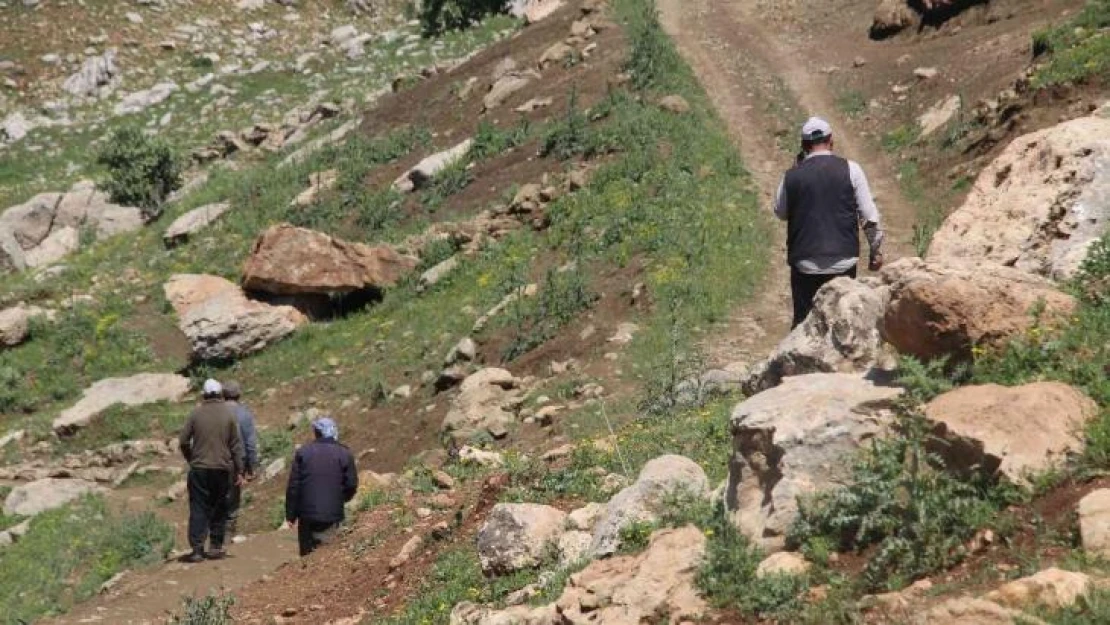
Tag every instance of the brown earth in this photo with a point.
(755, 58)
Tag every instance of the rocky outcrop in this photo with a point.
(1094, 522)
(15, 323)
(782, 563)
(96, 73)
(144, 388)
(487, 401)
(1013, 432)
(46, 227)
(939, 309)
(287, 260)
(1039, 206)
(891, 16)
(654, 586)
(1051, 588)
(533, 11)
(420, 175)
(504, 88)
(221, 322)
(842, 334)
(517, 536)
(794, 440)
(938, 115)
(970, 611)
(42, 495)
(142, 100)
(193, 222)
(644, 500)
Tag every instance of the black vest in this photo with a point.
(822, 218)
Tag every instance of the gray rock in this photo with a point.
(420, 175)
(15, 127)
(342, 34)
(796, 439)
(42, 495)
(144, 388)
(11, 437)
(466, 350)
(61, 242)
(193, 222)
(645, 498)
(486, 401)
(141, 100)
(841, 335)
(516, 536)
(432, 276)
(96, 72)
(273, 469)
(15, 324)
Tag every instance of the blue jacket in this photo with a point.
(322, 479)
(248, 433)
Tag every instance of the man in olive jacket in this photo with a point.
(212, 446)
(322, 479)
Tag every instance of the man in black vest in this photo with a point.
(824, 199)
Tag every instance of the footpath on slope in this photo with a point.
(763, 83)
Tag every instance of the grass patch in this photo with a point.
(69, 552)
(852, 102)
(206, 610)
(900, 138)
(1077, 50)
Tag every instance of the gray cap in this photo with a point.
(232, 390)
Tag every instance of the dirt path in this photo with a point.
(762, 81)
(149, 596)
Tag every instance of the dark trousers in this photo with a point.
(234, 502)
(208, 489)
(312, 534)
(804, 287)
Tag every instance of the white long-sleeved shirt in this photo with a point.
(868, 217)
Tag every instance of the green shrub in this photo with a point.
(142, 170)
(437, 16)
(70, 552)
(1076, 50)
(490, 140)
(207, 610)
(563, 295)
(902, 502)
(447, 182)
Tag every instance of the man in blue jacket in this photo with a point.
(322, 479)
(249, 434)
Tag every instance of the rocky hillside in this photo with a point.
(522, 262)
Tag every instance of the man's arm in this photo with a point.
(350, 478)
(250, 438)
(868, 212)
(185, 439)
(293, 489)
(781, 210)
(235, 442)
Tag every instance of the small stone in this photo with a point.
(443, 480)
(926, 73)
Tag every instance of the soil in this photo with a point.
(756, 59)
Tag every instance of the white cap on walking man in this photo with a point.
(816, 129)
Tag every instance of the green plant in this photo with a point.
(901, 501)
(852, 102)
(206, 610)
(449, 181)
(900, 138)
(274, 443)
(563, 295)
(490, 140)
(1076, 50)
(634, 536)
(437, 16)
(69, 552)
(142, 170)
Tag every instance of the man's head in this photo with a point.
(212, 390)
(325, 427)
(232, 390)
(816, 134)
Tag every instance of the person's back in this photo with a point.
(249, 433)
(211, 444)
(322, 479)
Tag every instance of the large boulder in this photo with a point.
(287, 260)
(95, 73)
(30, 222)
(46, 494)
(144, 388)
(193, 222)
(487, 401)
(221, 322)
(890, 17)
(645, 499)
(939, 309)
(841, 334)
(1094, 522)
(655, 586)
(797, 439)
(15, 323)
(971, 611)
(423, 172)
(517, 536)
(1051, 588)
(1040, 205)
(1013, 432)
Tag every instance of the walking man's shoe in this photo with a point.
(193, 557)
(218, 553)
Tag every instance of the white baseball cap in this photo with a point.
(212, 387)
(816, 129)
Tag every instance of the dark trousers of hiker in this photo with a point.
(234, 503)
(804, 287)
(312, 534)
(208, 498)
